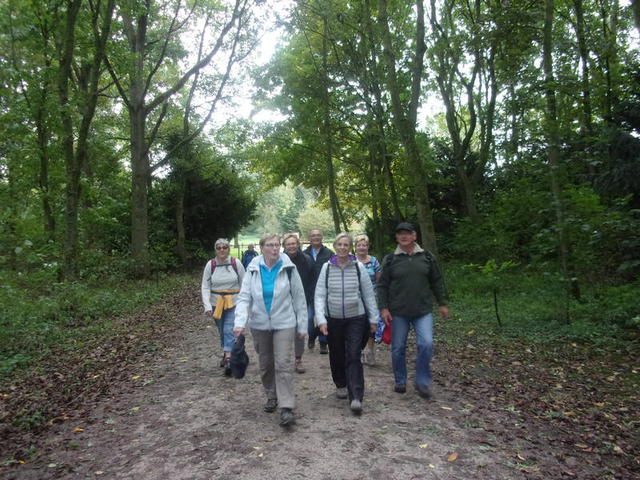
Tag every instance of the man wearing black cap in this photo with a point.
(410, 278)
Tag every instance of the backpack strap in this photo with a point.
(234, 265)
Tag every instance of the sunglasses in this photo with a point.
(222, 247)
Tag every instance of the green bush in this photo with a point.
(39, 313)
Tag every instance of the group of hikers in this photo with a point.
(345, 301)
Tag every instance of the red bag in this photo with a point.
(386, 334)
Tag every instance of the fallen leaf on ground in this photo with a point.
(78, 429)
(423, 445)
(453, 457)
(446, 408)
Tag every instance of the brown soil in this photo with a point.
(175, 416)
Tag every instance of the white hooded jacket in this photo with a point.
(288, 307)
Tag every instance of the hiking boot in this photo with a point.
(400, 388)
(271, 405)
(356, 406)
(286, 417)
(222, 362)
(341, 392)
(227, 367)
(323, 348)
(424, 391)
(311, 344)
(299, 366)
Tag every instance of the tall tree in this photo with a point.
(553, 153)
(405, 115)
(146, 87)
(87, 77)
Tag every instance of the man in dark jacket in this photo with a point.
(320, 255)
(410, 278)
(304, 264)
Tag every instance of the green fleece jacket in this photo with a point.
(408, 283)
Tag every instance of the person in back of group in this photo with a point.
(320, 255)
(372, 265)
(248, 255)
(221, 280)
(304, 264)
(346, 310)
(410, 277)
(272, 303)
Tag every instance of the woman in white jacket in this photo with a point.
(272, 300)
(346, 311)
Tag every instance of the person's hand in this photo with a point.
(444, 311)
(373, 327)
(238, 331)
(386, 316)
(323, 329)
(209, 313)
(302, 336)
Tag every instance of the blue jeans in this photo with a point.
(424, 341)
(225, 329)
(314, 332)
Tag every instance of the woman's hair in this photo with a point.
(222, 241)
(361, 237)
(287, 236)
(268, 236)
(343, 235)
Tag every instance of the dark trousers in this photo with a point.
(345, 344)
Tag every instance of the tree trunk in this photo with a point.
(67, 135)
(181, 247)
(553, 153)
(328, 151)
(43, 178)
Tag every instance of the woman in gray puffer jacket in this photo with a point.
(346, 310)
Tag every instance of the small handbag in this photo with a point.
(239, 360)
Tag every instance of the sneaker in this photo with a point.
(227, 367)
(299, 366)
(286, 417)
(323, 348)
(271, 405)
(356, 406)
(424, 391)
(341, 392)
(400, 388)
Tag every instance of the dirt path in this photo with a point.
(178, 417)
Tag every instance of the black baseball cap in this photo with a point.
(405, 226)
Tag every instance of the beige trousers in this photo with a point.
(275, 355)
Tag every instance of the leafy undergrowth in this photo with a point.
(579, 380)
(86, 362)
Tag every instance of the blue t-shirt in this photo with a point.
(268, 278)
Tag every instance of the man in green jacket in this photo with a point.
(410, 279)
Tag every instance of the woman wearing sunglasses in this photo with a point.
(221, 281)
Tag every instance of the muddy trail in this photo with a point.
(176, 416)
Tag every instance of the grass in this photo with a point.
(39, 313)
(532, 307)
